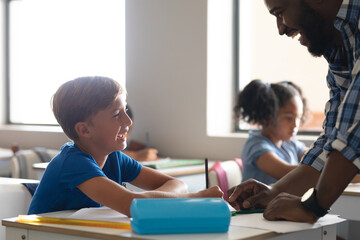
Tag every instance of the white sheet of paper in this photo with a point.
(161, 160)
(353, 187)
(99, 214)
(256, 220)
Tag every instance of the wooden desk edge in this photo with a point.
(58, 228)
(263, 236)
(38, 166)
(351, 193)
(186, 172)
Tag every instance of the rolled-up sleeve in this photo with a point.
(345, 137)
(341, 126)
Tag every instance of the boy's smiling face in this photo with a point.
(110, 126)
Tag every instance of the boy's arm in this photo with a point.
(111, 194)
(165, 186)
(150, 179)
(108, 193)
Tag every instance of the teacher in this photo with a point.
(328, 28)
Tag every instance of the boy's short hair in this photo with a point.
(80, 99)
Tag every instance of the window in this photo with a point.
(53, 41)
(265, 55)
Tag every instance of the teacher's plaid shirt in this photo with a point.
(341, 126)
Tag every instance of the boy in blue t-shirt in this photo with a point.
(89, 171)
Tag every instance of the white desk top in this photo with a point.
(5, 180)
(235, 232)
(251, 226)
(348, 204)
(352, 190)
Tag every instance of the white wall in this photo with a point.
(30, 136)
(167, 78)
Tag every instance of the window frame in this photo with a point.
(237, 43)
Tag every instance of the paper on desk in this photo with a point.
(354, 184)
(99, 214)
(161, 160)
(257, 221)
(352, 187)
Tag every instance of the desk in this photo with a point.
(31, 231)
(193, 176)
(348, 207)
(40, 169)
(348, 204)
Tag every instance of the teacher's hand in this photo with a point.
(288, 207)
(249, 195)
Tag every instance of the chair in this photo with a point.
(226, 174)
(22, 161)
(14, 199)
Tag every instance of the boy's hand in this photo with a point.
(250, 194)
(213, 192)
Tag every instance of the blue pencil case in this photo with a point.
(179, 215)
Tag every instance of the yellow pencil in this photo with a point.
(67, 221)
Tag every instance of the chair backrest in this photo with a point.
(226, 174)
(22, 161)
(14, 199)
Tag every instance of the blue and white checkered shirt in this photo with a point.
(341, 126)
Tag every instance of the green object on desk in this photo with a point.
(233, 213)
(173, 163)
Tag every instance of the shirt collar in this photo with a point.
(348, 13)
(343, 10)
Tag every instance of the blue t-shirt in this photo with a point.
(58, 187)
(257, 145)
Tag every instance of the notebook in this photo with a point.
(172, 163)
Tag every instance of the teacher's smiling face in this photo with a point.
(297, 17)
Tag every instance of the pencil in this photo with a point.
(206, 173)
(78, 222)
(147, 139)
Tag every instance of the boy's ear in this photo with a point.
(82, 129)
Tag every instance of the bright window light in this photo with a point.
(53, 41)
